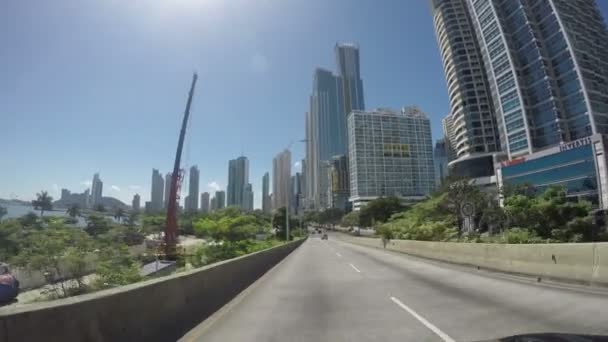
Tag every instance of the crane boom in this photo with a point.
(171, 226)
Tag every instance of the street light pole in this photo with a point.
(287, 218)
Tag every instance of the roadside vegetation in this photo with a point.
(526, 216)
(111, 248)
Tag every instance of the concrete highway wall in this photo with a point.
(585, 263)
(162, 309)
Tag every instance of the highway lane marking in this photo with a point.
(422, 320)
(338, 254)
(354, 268)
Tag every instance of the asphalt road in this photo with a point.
(328, 290)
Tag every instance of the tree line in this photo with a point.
(528, 215)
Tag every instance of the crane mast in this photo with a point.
(171, 226)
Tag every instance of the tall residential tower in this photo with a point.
(281, 175)
(193, 188)
(470, 127)
(266, 207)
(96, 190)
(547, 64)
(238, 178)
(156, 196)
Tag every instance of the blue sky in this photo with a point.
(101, 85)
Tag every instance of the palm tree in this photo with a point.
(119, 214)
(43, 202)
(73, 210)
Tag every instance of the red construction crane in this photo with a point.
(171, 227)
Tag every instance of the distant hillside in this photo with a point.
(111, 202)
(107, 202)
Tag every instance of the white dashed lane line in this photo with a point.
(423, 320)
(355, 268)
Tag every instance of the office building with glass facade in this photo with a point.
(547, 64)
(339, 183)
(390, 154)
(579, 166)
(334, 96)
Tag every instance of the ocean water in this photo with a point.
(14, 211)
(20, 210)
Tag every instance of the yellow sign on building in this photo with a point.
(396, 150)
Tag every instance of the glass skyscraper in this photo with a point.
(547, 64)
(333, 97)
(238, 178)
(347, 62)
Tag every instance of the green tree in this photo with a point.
(351, 219)
(73, 210)
(29, 220)
(380, 210)
(493, 217)
(461, 191)
(97, 225)
(386, 234)
(551, 216)
(117, 268)
(153, 224)
(100, 208)
(227, 228)
(43, 202)
(59, 253)
(280, 224)
(331, 216)
(9, 239)
(426, 220)
(310, 217)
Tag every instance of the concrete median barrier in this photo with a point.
(160, 309)
(585, 263)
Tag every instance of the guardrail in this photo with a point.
(584, 263)
(161, 309)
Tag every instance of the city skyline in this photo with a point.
(126, 172)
